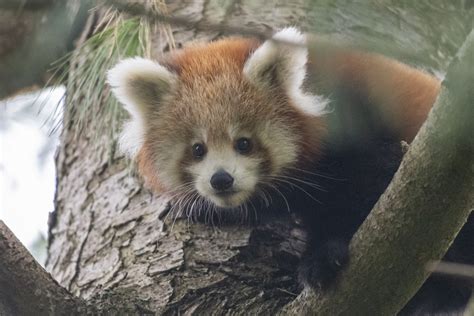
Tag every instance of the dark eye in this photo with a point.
(243, 145)
(199, 150)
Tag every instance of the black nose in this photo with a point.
(221, 180)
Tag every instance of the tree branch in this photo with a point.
(452, 269)
(49, 34)
(26, 288)
(408, 228)
(25, 4)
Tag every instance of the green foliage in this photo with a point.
(87, 66)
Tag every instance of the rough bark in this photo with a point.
(25, 287)
(34, 34)
(109, 244)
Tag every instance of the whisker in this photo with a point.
(298, 187)
(263, 196)
(317, 174)
(299, 179)
(254, 211)
(311, 184)
(281, 194)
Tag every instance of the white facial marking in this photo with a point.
(281, 144)
(242, 168)
(168, 165)
(139, 84)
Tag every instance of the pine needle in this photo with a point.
(116, 38)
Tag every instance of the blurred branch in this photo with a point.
(25, 4)
(418, 216)
(48, 35)
(26, 288)
(470, 307)
(457, 270)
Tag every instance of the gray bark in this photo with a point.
(108, 243)
(26, 288)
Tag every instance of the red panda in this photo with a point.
(220, 124)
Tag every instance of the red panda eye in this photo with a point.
(199, 150)
(243, 145)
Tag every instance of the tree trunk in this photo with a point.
(108, 239)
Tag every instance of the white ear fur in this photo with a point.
(289, 63)
(139, 84)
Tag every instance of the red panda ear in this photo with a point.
(140, 85)
(282, 60)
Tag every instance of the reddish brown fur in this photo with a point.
(210, 75)
(403, 94)
(147, 169)
(206, 60)
(214, 94)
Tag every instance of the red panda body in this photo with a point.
(228, 123)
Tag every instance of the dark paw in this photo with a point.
(320, 266)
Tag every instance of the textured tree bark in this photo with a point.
(26, 288)
(110, 245)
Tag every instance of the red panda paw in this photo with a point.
(320, 266)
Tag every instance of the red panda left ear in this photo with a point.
(282, 60)
(141, 86)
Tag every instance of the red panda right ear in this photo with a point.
(282, 61)
(140, 85)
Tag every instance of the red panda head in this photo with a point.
(216, 122)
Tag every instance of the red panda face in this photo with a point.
(235, 137)
(216, 123)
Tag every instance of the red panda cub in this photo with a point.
(226, 124)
